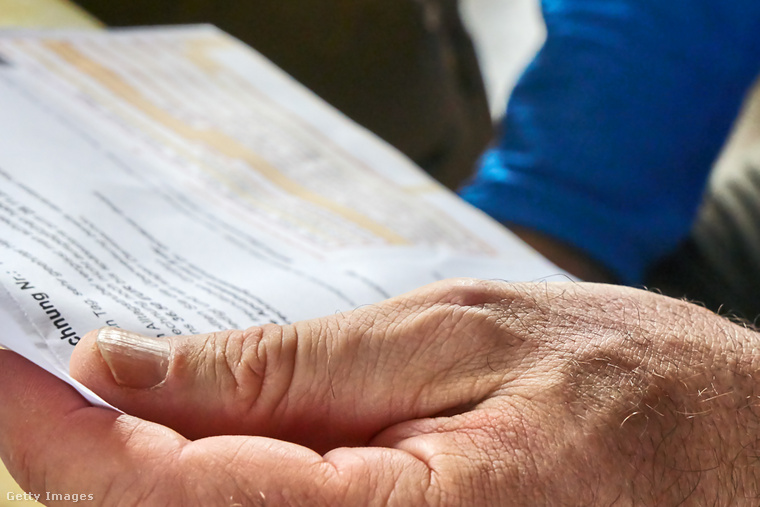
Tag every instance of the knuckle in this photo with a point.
(470, 291)
(277, 353)
(522, 306)
(245, 359)
(266, 369)
(232, 364)
(249, 373)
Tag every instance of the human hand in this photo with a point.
(461, 392)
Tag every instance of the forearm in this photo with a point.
(729, 388)
(687, 416)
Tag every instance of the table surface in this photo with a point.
(44, 14)
(37, 14)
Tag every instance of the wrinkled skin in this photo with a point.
(461, 392)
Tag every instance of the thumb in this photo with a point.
(327, 382)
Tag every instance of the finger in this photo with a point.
(326, 382)
(56, 446)
(49, 433)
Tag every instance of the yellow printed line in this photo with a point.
(197, 51)
(216, 140)
(429, 187)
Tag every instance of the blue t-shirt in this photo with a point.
(611, 132)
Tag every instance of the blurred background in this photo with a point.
(405, 69)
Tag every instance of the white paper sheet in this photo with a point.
(173, 181)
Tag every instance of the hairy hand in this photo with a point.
(461, 392)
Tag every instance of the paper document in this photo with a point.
(173, 181)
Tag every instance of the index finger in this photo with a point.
(50, 434)
(56, 445)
